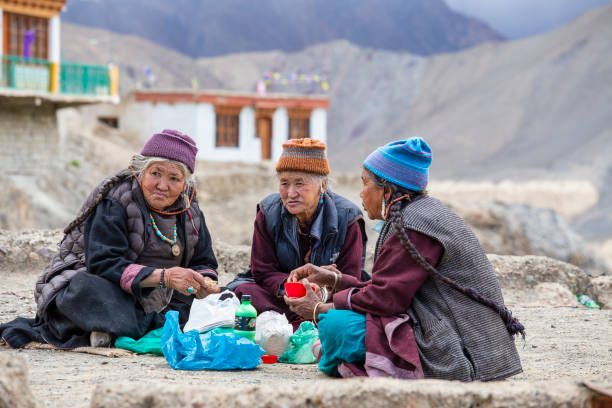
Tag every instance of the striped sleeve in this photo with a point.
(128, 276)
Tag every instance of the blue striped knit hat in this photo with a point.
(404, 162)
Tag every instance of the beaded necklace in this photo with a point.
(176, 250)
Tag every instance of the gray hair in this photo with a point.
(316, 178)
(140, 163)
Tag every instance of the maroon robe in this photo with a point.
(391, 349)
(266, 293)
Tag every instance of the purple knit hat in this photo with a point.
(173, 145)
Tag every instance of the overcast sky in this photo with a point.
(522, 18)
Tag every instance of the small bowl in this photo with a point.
(269, 359)
(296, 289)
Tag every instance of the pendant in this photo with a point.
(176, 250)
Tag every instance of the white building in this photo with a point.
(226, 126)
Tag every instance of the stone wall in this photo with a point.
(29, 137)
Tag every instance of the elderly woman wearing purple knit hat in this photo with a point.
(138, 248)
(433, 308)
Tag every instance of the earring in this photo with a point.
(321, 201)
(383, 208)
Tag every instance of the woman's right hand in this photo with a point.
(181, 279)
(315, 274)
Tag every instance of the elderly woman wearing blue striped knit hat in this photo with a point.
(433, 308)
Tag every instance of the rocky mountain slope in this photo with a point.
(209, 27)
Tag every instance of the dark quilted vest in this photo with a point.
(70, 258)
(329, 229)
(458, 338)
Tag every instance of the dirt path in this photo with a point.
(562, 343)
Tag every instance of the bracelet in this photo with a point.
(162, 282)
(337, 277)
(314, 313)
(324, 294)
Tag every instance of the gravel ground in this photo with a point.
(562, 343)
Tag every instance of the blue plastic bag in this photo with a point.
(213, 351)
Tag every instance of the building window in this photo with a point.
(227, 125)
(299, 123)
(110, 121)
(15, 28)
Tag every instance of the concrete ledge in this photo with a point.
(352, 393)
(14, 389)
(59, 99)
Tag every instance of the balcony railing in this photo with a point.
(32, 74)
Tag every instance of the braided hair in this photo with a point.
(512, 324)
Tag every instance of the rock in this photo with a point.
(46, 253)
(232, 259)
(32, 247)
(14, 389)
(520, 272)
(34, 257)
(519, 229)
(539, 280)
(554, 294)
(369, 392)
(602, 291)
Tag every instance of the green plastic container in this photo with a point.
(588, 302)
(244, 324)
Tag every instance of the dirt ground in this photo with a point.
(562, 343)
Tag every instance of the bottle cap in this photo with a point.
(246, 297)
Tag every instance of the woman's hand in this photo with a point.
(316, 274)
(210, 286)
(304, 306)
(181, 279)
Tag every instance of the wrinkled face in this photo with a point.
(162, 183)
(371, 196)
(300, 194)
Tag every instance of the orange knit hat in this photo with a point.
(307, 155)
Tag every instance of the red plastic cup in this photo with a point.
(296, 289)
(269, 359)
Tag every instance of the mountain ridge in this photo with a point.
(420, 26)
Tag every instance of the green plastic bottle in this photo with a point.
(244, 324)
(588, 302)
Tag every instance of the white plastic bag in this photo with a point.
(212, 312)
(272, 332)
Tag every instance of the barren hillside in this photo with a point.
(535, 109)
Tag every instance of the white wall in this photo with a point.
(147, 118)
(54, 39)
(198, 121)
(280, 132)
(205, 130)
(318, 125)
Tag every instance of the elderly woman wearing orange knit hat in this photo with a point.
(303, 223)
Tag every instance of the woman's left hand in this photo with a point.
(304, 306)
(209, 287)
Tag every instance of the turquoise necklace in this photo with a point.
(176, 250)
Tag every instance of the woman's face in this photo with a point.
(162, 183)
(371, 196)
(300, 194)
